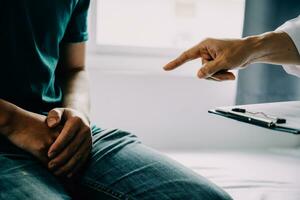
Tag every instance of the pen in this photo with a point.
(243, 117)
(277, 120)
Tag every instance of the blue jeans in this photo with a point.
(120, 167)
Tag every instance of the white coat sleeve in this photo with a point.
(292, 28)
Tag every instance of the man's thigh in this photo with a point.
(123, 168)
(23, 177)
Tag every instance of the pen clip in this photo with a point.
(268, 117)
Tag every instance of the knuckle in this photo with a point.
(225, 59)
(86, 130)
(76, 119)
(41, 147)
(209, 71)
(224, 64)
(54, 113)
(205, 71)
(208, 39)
(56, 162)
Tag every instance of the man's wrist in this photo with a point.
(80, 112)
(256, 47)
(266, 47)
(83, 110)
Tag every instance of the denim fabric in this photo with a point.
(120, 167)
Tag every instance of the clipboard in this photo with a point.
(281, 116)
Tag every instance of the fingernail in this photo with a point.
(51, 121)
(215, 78)
(200, 74)
(51, 165)
(51, 154)
(167, 67)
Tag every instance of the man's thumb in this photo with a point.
(210, 68)
(54, 117)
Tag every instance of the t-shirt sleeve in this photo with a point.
(77, 30)
(292, 28)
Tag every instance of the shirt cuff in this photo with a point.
(292, 28)
(292, 69)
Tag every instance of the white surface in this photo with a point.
(169, 111)
(249, 175)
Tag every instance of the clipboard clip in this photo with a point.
(268, 117)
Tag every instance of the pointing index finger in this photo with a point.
(186, 56)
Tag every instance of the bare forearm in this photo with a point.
(76, 91)
(219, 56)
(7, 113)
(273, 47)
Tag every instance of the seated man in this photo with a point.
(48, 149)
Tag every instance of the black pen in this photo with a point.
(241, 116)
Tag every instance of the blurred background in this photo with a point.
(130, 42)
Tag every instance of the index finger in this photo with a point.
(186, 56)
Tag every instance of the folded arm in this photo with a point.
(26, 130)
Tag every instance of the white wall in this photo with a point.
(169, 111)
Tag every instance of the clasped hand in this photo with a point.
(72, 147)
(62, 141)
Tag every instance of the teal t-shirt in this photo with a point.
(32, 32)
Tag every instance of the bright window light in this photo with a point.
(167, 23)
